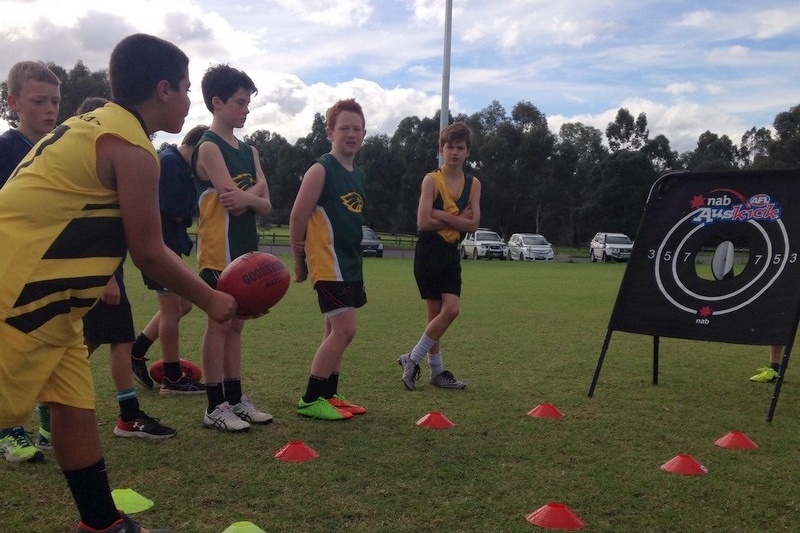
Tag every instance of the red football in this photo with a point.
(187, 367)
(257, 280)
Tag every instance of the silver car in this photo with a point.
(529, 247)
(608, 246)
(483, 244)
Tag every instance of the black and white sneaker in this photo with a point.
(143, 426)
(185, 385)
(140, 372)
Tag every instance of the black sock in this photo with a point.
(775, 366)
(215, 395)
(172, 371)
(129, 409)
(140, 346)
(333, 386)
(316, 388)
(233, 390)
(92, 494)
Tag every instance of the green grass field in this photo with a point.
(527, 334)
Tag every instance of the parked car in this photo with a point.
(484, 243)
(608, 246)
(530, 247)
(370, 242)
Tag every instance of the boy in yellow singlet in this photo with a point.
(82, 195)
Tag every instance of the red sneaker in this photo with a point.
(343, 405)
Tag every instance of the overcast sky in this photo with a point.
(690, 65)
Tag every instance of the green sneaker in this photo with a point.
(765, 374)
(17, 446)
(321, 409)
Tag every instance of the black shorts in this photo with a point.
(437, 266)
(152, 284)
(211, 277)
(109, 324)
(334, 295)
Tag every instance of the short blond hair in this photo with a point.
(29, 70)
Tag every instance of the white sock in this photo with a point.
(436, 363)
(421, 349)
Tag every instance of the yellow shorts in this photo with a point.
(32, 371)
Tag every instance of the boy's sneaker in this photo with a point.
(144, 427)
(17, 446)
(321, 409)
(248, 412)
(140, 372)
(124, 525)
(765, 374)
(411, 370)
(43, 441)
(185, 385)
(343, 405)
(224, 419)
(446, 380)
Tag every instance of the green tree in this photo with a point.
(627, 133)
(713, 153)
(784, 151)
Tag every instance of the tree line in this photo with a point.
(566, 185)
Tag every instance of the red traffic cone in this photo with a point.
(555, 515)
(295, 452)
(736, 440)
(545, 410)
(684, 464)
(435, 420)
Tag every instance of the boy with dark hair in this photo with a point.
(98, 176)
(34, 94)
(325, 228)
(178, 201)
(234, 191)
(449, 205)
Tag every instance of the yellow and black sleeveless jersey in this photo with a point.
(446, 201)
(60, 228)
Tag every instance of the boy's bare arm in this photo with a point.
(136, 175)
(429, 218)
(307, 197)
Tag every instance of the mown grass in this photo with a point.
(528, 333)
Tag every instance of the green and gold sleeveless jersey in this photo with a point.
(333, 236)
(222, 237)
(60, 228)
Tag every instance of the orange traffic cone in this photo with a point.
(545, 410)
(296, 451)
(435, 420)
(684, 464)
(555, 515)
(736, 440)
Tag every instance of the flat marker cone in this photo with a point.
(685, 465)
(736, 440)
(129, 501)
(555, 515)
(243, 527)
(545, 410)
(435, 420)
(296, 451)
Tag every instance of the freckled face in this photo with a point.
(348, 133)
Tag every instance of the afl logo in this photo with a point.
(760, 199)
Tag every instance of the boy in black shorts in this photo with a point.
(449, 205)
(111, 322)
(177, 197)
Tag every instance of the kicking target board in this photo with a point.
(716, 258)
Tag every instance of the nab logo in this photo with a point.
(719, 201)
